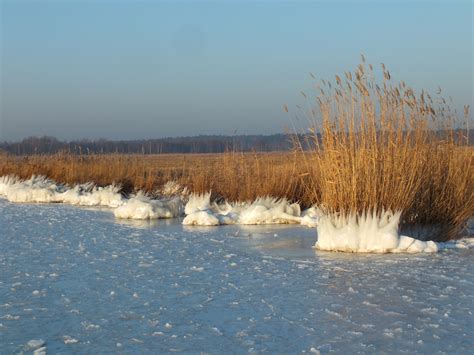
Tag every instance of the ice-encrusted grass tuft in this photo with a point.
(377, 145)
(199, 209)
(90, 195)
(36, 189)
(39, 189)
(198, 202)
(377, 233)
(367, 233)
(264, 210)
(143, 207)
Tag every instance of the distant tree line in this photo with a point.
(197, 144)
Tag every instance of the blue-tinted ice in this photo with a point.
(83, 282)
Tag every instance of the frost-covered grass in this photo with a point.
(384, 148)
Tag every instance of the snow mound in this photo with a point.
(202, 218)
(143, 207)
(201, 212)
(90, 195)
(374, 233)
(265, 210)
(36, 189)
(6, 182)
(39, 189)
(269, 210)
(198, 202)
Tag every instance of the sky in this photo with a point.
(151, 69)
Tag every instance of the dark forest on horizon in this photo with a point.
(181, 145)
(195, 144)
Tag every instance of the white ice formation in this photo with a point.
(373, 233)
(265, 210)
(366, 233)
(198, 210)
(143, 207)
(39, 189)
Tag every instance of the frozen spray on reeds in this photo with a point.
(377, 146)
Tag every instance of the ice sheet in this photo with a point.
(83, 282)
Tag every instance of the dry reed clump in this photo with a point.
(233, 176)
(381, 147)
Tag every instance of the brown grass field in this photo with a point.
(246, 176)
(233, 176)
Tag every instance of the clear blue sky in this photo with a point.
(145, 69)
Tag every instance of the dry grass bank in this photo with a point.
(233, 176)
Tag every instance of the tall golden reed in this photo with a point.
(382, 147)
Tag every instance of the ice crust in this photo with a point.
(129, 287)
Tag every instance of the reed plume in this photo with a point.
(377, 146)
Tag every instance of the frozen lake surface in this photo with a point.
(83, 282)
